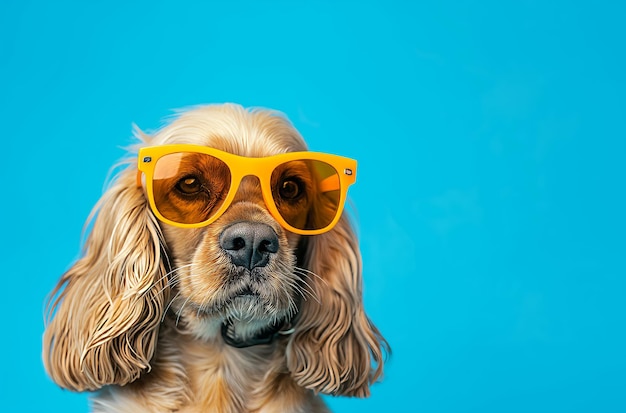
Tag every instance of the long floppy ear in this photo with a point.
(105, 312)
(335, 349)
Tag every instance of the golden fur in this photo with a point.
(131, 318)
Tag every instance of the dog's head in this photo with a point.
(235, 258)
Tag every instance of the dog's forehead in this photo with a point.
(233, 129)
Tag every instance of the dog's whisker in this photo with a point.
(174, 271)
(168, 306)
(294, 286)
(305, 289)
(292, 308)
(306, 276)
(306, 283)
(173, 279)
(301, 290)
(305, 272)
(308, 287)
(171, 284)
(180, 311)
(289, 283)
(310, 293)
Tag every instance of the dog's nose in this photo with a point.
(249, 244)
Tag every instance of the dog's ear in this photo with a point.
(105, 312)
(335, 348)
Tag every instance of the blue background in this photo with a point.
(490, 136)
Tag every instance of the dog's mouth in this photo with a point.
(245, 297)
(246, 292)
(245, 302)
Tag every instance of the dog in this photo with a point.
(219, 275)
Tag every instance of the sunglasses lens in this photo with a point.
(307, 193)
(188, 187)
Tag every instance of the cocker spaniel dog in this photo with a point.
(219, 275)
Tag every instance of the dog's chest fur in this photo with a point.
(212, 377)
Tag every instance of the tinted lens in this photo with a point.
(306, 193)
(190, 187)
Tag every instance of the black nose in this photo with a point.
(249, 244)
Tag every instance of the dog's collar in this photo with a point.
(265, 336)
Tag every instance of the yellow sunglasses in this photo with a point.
(191, 186)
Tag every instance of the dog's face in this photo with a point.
(240, 278)
(240, 272)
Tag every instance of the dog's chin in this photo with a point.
(242, 317)
(248, 309)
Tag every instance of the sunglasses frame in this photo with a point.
(242, 166)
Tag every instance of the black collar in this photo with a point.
(265, 336)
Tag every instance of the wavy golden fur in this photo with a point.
(130, 319)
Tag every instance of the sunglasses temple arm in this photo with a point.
(139, 179)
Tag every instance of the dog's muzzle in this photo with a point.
(251, 245)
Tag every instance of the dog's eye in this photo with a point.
(291, 189)
(189, 185)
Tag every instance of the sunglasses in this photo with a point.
(191, 186)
